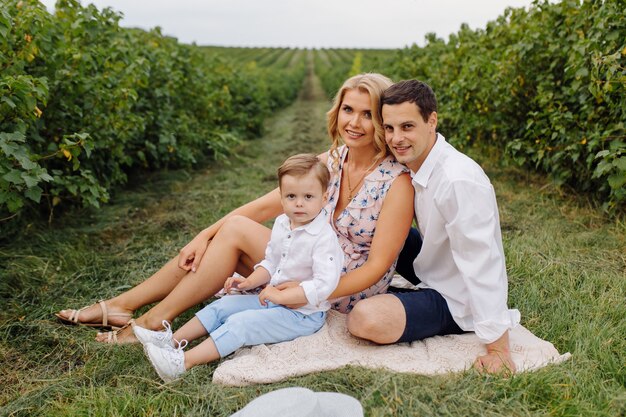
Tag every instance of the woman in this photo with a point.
(369, 191)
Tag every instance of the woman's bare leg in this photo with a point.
(151, 290)
(238, 246)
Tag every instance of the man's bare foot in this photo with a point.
(93, 315)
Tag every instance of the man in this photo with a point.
(456, 257)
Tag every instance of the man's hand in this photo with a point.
(495, 363)
(498, 358)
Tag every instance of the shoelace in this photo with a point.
(181, 345)
(168, 330)
(165, 334)
(167, 325)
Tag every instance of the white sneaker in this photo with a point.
(158, 338)
(167, 361)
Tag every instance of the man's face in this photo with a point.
(408, 136)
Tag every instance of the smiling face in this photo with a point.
(302, 197)
(409, 137)
(354, 120)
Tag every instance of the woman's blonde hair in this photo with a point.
(372, 83)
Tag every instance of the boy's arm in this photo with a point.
(257, 278)
(327, 264)
(272, 256)
(293, 295)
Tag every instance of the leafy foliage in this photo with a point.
(84, 102)
(546, 85)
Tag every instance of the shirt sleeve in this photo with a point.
(473, 227)
(271, 256)
(327, 265)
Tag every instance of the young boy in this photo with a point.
(302, 247)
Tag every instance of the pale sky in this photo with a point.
(306, 24)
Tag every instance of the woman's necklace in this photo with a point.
(361, 178)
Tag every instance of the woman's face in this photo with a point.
(354, 120)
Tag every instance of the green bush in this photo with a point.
(83, 102)
(546, 85)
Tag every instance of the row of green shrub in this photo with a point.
(546, 85)
(332, 69)
(83, 102)
(333, 66)
(279, 73)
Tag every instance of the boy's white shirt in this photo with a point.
(310, 254)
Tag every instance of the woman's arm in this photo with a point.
(392, 228)
(260, 210)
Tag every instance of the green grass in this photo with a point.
(566, 263)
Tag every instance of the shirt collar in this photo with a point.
(313, 227)
(423, 173)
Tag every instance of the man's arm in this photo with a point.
(471, 215)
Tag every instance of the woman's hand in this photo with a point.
(190, 256)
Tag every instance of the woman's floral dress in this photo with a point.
(356, 224)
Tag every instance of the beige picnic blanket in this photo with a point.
(332, 347)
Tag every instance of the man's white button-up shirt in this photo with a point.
(462, 256)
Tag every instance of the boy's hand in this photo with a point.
(235, 283)
(290, 284)
(270, 293)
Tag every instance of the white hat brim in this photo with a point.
(295, 401)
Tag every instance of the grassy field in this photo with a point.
(567, 273)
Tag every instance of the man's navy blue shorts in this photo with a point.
(427, 312)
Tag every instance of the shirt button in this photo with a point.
(283, 255)
(288, 236)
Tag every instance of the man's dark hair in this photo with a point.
(412, 91)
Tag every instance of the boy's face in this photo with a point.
(302, 198)
(408, 136)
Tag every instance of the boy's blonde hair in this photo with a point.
(302, 164)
